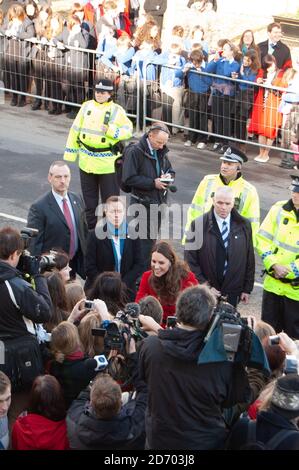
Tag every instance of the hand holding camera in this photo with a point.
(78, 312)
(101, 308)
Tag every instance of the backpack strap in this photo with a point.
(12, 295)
(279, 437)
(28, 323)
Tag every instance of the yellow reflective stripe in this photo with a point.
(265, 234)
(113, 114)
(293, 249)
(208, 189)
(278, 219)
(88, 131)
(196, 207)
(253, 219)
(244, 195)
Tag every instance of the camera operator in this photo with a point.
(21, 305)
(97, 419)
(169, 365)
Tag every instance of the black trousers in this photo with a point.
(222, 106)
(198, 115)
(282, 313)
(92, 185)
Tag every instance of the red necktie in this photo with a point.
(68, 218)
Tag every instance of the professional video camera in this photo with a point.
(126, 324)
(27, 262)
(236, 335)
(118, 334)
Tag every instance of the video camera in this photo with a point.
(30, 265)
(126, 322)
(235, 332)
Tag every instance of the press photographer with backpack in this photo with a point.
(21, 307)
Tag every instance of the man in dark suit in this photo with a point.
(219, 249)
(275, 47)
(109, 248)
(60, 220)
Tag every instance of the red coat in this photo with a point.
(35, 432)
(265, 118)
(146, 289)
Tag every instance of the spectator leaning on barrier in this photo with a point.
(94, 136)
(277, 244)
(246, 197)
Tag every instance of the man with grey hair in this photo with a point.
(186, 399)
(224, 258)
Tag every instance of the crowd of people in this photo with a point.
(43, 53)
(74, 356)
(113, 342)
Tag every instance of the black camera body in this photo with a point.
(30, 265)
(126, 323)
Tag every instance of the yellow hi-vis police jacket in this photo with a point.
(93, 145)
(247, 200)
(278, 243)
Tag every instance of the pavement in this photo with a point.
(31, 140)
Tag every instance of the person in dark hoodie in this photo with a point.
(185, 399)
(146, 173)
(97, 419)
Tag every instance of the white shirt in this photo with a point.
(59, 199)
(220, 221)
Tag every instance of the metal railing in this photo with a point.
(64, 75)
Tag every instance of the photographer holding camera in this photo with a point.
(21, 305)
(148, 175)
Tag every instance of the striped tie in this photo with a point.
(224, 234)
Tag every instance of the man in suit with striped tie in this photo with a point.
(219, 249)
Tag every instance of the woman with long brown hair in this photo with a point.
(168, 277)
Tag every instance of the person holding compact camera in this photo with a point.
(21, 307)
(147, 173)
